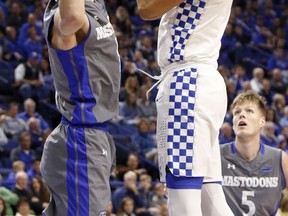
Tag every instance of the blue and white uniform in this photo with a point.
(191, 100)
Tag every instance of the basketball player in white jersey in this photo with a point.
(254, 174)
(191, 102)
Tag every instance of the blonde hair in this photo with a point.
(250, 96)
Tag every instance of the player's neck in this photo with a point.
(248, 148)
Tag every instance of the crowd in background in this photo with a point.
(253, 56)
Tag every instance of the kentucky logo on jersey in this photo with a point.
(266, 169)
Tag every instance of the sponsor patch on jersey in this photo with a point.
(266, 169)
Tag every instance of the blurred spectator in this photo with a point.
(3, 137)
(13, 125)
(279, 59)
(16, 50)
(30, 111)
(268, 134)
(284, 120)
(278, 105)
(164, 210)
(130, 111)
(144, 142)
(271, 116)
(40, 194)
(267, 92)
(24, 151)
(147, 107)
(9, 198)
(256, 81)
(226, 133)
(23, 208)
(16, 15)
(34, 171)
(277, 82)
(29, 79)
(132, 164)
(17, 166)
(282, 144)
(131, 86)
(159, 197)
(126, 207)
(145, 190)
(2, 207)
(21, 187)
(38, 136)
(109, 211)
(128, 190)
(239, 77)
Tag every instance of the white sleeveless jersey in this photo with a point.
(192, 32)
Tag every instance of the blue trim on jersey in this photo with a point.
(180, 182)
(234, 149)
(99, 126)
(71, 172)
(82, 170)
(75, 67)
(262, 149)
(85, 88)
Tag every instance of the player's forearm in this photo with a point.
(154, 9)
(71, 16)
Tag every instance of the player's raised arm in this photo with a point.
(70, 16)
(151, 10)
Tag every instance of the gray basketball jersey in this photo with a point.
(87, 77)
(252, 187)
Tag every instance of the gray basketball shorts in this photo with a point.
(191, 105)
(76, 165)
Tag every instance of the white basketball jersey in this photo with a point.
(192, 32)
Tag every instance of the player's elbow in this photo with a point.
(71, 24)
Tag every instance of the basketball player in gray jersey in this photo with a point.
(79, 154)
(254, 174)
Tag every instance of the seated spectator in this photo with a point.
(277, 82)
(40, 194)
(131, 86)
(126, 207)
(16, 167)
(38, 136)
(267, 92)
(129, 111)
(21, 187)
(284, 120)
(278, 60)
(24, 151)
(159, 197)
(226, 133)
(24, 209)
(30, 111)
(147, 108)
(13, 125)
(256, 81)
(9, 198)
(132, 164)
(34, 171)
(164, 210)
(268, 134)
(3, 138)
(146, 192)
(109, 211)
(144, 142)
(29, 79)
(2, 207)
(282, 143)
(128, 190)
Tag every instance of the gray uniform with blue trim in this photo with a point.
(252, 187)
(79, 154)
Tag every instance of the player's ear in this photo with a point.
(262, 121)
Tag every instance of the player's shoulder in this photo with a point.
(226, 147)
